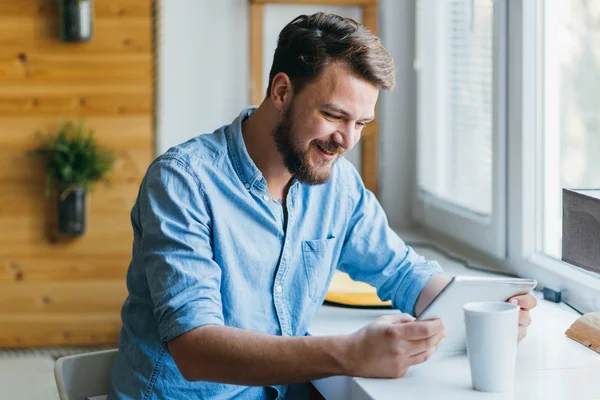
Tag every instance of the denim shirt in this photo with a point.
(211, 247)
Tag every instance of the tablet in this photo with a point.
(447, 305)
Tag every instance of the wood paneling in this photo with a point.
(68, 329)
(71, 268)
(55, 290)
(117, 130)
(102, 9)
(40, 34)
(48, 298)
(48, 68)
(75, 99)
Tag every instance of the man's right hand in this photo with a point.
(388, 346)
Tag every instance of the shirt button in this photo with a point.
(278, 288)
(266, 198)
(247, 185)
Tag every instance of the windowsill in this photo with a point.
(463, 260)
(549, 364)
(474, 262)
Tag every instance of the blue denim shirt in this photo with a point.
(210, 248)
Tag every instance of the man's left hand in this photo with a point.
(526, 302)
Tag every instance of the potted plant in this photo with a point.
(73, 162)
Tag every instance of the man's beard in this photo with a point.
(296, 159)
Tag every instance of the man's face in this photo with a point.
(324, 121)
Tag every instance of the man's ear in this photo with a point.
(281, 91)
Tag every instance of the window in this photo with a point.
(459, 132)
(555, 135)
(506, 119)
(569, 99)
(461, 75)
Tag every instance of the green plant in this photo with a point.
(73, 158)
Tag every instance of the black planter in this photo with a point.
(71, 213)
(76, 23)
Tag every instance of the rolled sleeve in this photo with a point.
(375, 254)
(414, 273)
(183, 279)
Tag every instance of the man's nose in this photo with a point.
(346, 136)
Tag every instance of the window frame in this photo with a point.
(486, 234)
(580, 289)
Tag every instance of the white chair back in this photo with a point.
(85, 375)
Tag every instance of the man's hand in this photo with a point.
(526, 302)
(388, 346)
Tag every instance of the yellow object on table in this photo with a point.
(344, 291)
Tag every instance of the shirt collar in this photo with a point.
(244, 166)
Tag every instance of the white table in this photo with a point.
(549, 364)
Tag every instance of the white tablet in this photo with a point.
(461, 290)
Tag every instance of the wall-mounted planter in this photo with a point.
(76, 20)
(72, 212)
(73, 162)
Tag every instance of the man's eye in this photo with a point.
(361, 124)
(331, 116)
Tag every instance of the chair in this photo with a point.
(84, 375)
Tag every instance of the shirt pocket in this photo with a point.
(317, 256)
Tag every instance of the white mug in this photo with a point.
(492, 337)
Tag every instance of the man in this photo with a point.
(238, 233)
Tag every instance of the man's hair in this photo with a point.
(310, 43)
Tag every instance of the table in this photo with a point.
(549, 364)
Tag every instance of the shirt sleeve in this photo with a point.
(183, 279)
(373, 253)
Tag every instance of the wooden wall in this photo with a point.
(55, 291)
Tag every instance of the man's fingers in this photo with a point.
(422, 345)
(524, 318)
(422, 329)
(522, 332)
(525, 301)
(423, 356)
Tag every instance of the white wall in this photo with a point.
(203, 83)
(203, 67)
(397, 144)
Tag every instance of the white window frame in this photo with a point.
(482, 232)
(510, 241)
(580, 289)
